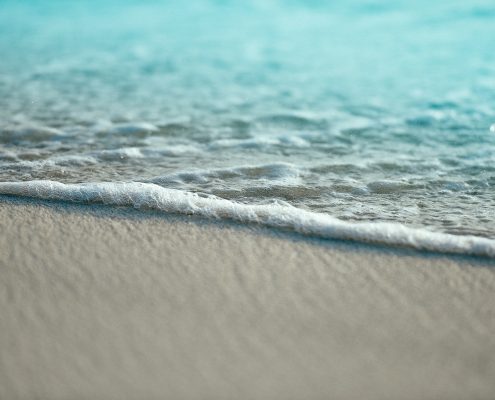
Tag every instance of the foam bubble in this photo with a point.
(151, 196)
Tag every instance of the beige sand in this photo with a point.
(105, 303)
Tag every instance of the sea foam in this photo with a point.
(151, 196)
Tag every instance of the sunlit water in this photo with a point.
(362, 110)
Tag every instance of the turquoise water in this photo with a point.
(364, 111)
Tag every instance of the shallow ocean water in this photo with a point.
(375, 111)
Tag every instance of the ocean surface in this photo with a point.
(368, 120)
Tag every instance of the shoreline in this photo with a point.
(148, 196)
(112, 302)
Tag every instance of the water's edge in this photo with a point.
(151, 196)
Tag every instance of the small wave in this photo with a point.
(384, 187)
(275, 172)
(127, 129)
(295, 121)
(151, 196)
(30, 134)
(72, 160)
(134, 153)
(261, 142)
(8, 156)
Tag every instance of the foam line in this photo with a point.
(151, 196)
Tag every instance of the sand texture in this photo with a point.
(106, 303)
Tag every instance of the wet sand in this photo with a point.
(112, 303)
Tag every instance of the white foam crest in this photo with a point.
(151, 196)
(119, 154)
(70, 160)
(128, 153)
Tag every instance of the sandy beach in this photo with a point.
(100, 302)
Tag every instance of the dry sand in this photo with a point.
(105, 303)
